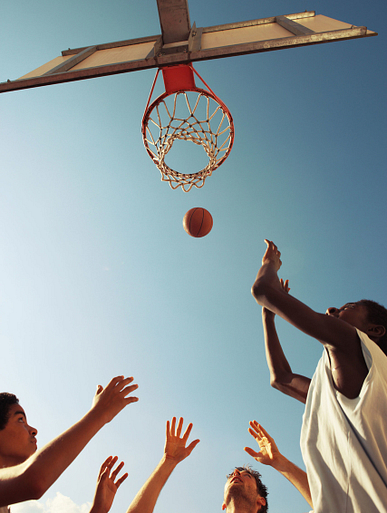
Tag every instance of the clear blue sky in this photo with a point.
(98, 277)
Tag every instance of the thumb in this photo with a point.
(250, 451)
(192, 446)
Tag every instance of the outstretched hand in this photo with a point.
(269, 453)
(109, 401)
(175, 445)
(272, 255)
(107, 485)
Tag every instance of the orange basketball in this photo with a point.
(197, 222)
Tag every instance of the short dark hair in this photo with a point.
(262, 489)
(377, 314)
(6, 401)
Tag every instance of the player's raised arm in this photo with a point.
(338, 337)
(175, 451)
(270, 455)
(108, 483)
(268, 292)
(31, 479)
(281, 375)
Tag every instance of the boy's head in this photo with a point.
(377, 315)
(368, 316)
(17, 438)
(244, 487)
(6, 401)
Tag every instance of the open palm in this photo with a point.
(175, 444)
(269, 452)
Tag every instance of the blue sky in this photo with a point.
(98, 277)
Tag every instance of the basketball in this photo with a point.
(197, 222)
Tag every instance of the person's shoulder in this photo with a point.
(372, 353)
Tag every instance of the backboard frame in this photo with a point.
(169, 49)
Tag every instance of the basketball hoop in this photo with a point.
(186, 112)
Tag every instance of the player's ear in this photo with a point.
(376, 331)
(224, 506)
(261, 501)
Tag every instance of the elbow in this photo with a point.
(275, 383)
(37, 490)
(262, 291)
(258, 291)
(280, 382)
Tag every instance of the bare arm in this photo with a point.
(175, 451)
(281, 375)
(338, 337)
(270, 455)
(31, 479)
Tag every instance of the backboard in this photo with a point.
(181, 43)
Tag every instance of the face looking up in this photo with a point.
(241, 488)
(17, 439)
(353, 313)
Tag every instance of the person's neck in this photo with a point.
(235, 506)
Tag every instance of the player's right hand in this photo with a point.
(109, 401)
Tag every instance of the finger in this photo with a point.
(253, 425)
(263, 431)
(123, 387)
(117, 470)
(167, 430)
(99, 389)
(121, 480)
(257, 436)
(179, 426)
(173, 426)
(104, 466)
(131, 399)
(187, 432)
(251, 452)
(127, 389)
(106, 462)
(114, 381)
(112, 462)
(192, 446)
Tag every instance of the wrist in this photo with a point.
(267, 314)
(95, 419)
(168, 461)
(281, 463)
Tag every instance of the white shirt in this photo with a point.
(344, 441)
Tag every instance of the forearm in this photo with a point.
(276, 360)
(146, 498)
(296, 476)
(31, 479)
(281, 375)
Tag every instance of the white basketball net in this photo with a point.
(195, 116)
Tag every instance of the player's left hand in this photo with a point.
(107, 485)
